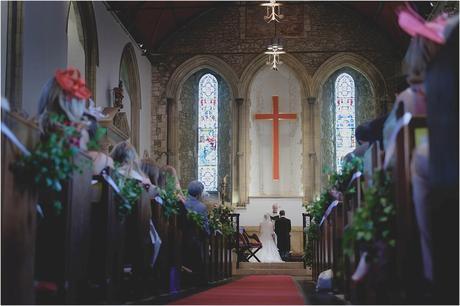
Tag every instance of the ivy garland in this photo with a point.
(170, 197)
(196, 219)
(374, 220)
(50, 164)
(130, 192)
(337, 181)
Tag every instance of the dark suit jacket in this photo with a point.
(275, 218)
(283, 232)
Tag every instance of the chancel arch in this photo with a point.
(129, 75)
(306, 115)
(82, 43)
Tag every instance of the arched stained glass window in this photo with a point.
(207, 132)
(344, 117)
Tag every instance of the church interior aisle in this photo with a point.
(250, 290)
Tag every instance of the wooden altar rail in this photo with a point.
(328, 250)
(88, 253)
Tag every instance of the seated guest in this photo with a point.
(65, 94)
(193, 237)
(126, 156)
(100, 159)
(166, 171)
(193, 203)
(149, 167)
(130, 166)
(366, 134)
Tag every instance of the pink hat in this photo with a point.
(413, 24)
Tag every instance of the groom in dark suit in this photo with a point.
(283, 232)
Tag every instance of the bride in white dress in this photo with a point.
(269, 251)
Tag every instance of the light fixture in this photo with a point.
(273, 11)
(274, 50)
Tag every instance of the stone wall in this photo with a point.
(312, 32)
(188, 130)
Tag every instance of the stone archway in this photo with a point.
(173, 93)
(308, 113)
(339, 61)
(129, 74)
(88, 28)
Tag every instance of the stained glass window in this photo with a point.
(344, 117)
(207, 132)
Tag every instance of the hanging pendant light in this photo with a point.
(274, 51)
(273, 11)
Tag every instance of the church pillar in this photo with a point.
(312, 156)
(238, 180)
(171, 133)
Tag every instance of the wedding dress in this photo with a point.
(269, 251)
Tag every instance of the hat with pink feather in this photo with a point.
(414, 24)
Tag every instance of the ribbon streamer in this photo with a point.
(10, 135)
(354, 177)
(403, 121)
(329, 210)
(110, 181)
(156, 243)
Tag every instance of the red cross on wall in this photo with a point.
(275, 116)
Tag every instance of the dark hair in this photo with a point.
(371, 131)
(92, 128)
(282, 212)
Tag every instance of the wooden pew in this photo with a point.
(138, 249)
(18, 219)
(107, 244)
(408, 258)
(63, 240)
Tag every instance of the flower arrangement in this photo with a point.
(220, 219)
(170, 197)
(50, 163)
(373, 221)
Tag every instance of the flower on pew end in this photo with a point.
(43, 286)
(72, 84)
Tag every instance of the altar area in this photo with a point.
(252, 215)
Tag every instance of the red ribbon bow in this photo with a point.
(71, 83)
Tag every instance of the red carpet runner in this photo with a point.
(250, 290)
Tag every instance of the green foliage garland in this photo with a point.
(51, 162)
(340, 180)
(374, 220)
(93, 144)
(196, 218)
(170, 197)
(130, 192)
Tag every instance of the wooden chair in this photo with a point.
(252, 242)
